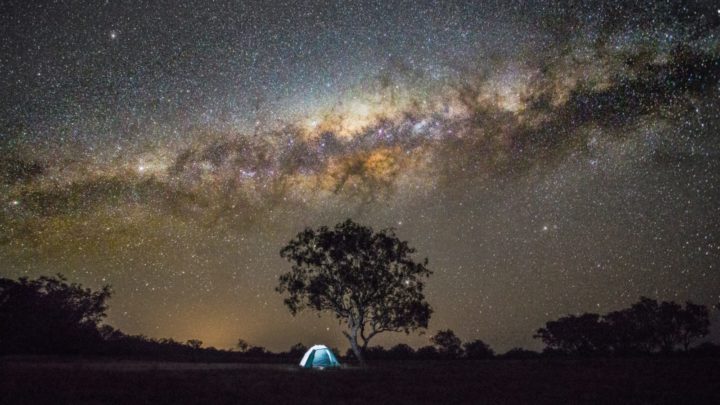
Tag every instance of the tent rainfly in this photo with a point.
(319, 356)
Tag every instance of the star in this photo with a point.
(493, 138)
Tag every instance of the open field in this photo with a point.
(543, 381)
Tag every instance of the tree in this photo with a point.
(297, 350)
(426, 353)
(585, 334)
(694, 323)
(626, 334)
(375, 353)
(518, 353)
(367, 279)
(195, 343)
(401, 351)
(49, 315)
(108, 333)
(447, 343)
(667, 325)
(648, 326)
(477, 349)
(242, 345)
(256, 351)
(635, 329)
(249, 349)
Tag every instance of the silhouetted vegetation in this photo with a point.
(518, 353)
(477, 349)
(367, 279)
(646, 327)
(242, 345)
(447, 344)
(49, 315)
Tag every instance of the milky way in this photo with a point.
(547, 157)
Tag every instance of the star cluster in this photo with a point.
(547, 157)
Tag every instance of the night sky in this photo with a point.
(547, 157)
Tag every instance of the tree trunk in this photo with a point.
(358, 352)
(353, 339)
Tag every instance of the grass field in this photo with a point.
(542, 381)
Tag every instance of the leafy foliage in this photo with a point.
(367, 279)
(477, 349)
(447, 343)
(582, 334)
(647, 326)
(49, 315)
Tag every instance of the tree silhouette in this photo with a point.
(367, 279)
(242, 345)
(630, 330)
(583, 335)
(667, 325)
(401, 351)
(694, 323)
(447, 343)
(427, 353)
(256, 351)
(297, 350)
(647, 326)
(49, 315)
(195, 343)
(518, 353)
(477, 349)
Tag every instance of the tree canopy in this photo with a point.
(647, 326)
(49, 315)
(447, 343)
(477, 349)
(367, 279)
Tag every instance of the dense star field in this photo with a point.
(547, 157)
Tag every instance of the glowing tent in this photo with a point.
(319, 356)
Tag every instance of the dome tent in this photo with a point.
(319, 356)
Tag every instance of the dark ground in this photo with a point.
(541, 381)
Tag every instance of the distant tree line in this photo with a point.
(648, 326)
(49, 315)
(444, 345)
